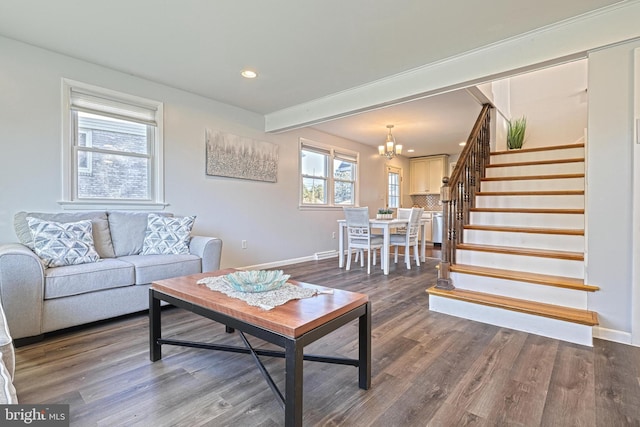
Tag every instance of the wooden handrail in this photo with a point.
(458, 192)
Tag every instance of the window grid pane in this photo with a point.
(314, 191)
(394, 190)
(113, 177)
(314, 164)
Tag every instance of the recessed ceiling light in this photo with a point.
(249, 74)
(462, 144)
(411, 150)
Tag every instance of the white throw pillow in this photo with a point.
(167, 235)
(59, 244)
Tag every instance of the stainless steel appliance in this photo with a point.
(436, 227)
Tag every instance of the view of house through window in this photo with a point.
(328, 175)
(114, 162)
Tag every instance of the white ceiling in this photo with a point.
(302, 50)
(434, 125)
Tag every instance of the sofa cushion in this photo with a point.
(157, 267)
(59, 244)
(99, 226)
(167, 235)
(128, 230)
(83, 278)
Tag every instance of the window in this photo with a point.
(393, 187)
(328, 175)
(113, 148)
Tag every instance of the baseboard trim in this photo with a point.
(278, 263)
(613, 335)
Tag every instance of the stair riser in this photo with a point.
(534, 202)
(530, 264)
(517, 219)
(525, 240)
(556, 184)
(552, 328)
(533, 170)
(523, 156)
(521, 290)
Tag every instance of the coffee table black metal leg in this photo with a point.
(294, 356)
(154, 327)
(364, 349)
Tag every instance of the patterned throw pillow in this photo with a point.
(59, 244)
(167, 235)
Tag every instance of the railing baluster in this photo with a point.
(457, 193)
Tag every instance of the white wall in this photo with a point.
(609, 187)
(554, 102)
(264, 214)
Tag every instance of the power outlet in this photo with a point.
(244, 244)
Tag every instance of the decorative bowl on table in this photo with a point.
(257, 280)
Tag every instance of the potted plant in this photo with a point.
(384, 214)
(515, 133)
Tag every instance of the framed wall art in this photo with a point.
(236, 156)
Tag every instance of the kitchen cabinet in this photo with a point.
(426, 173)
(428, 235)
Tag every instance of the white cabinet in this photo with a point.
(428, 231)
(426, 173)
(418, 175)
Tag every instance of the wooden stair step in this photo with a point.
(543, 253)
(535, 163)
(523, 276)
(532, 193)
(533, 230)
(583, 317)
(532, 177)
(535, 149)
(529, 210)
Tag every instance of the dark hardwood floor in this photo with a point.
(428, 369)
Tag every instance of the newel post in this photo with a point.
(444, 279)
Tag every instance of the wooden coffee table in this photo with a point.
(290, 326)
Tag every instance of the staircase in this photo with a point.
(521, 260)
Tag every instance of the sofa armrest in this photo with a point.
(209, 249)
(21, 289)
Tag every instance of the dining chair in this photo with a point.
(402, 213)
(359, 236)
(409, 239)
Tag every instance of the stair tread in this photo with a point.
(532, 177)
(532, 193)
(535, 149)
(536, 162)
(544, 253)
(523, 276)
(534, 230)
(584, 317)
(528, 210)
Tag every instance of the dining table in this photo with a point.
(386, 225)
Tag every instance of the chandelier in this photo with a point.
(390, 149)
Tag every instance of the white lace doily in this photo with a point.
(265, 300)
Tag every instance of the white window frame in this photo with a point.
(88, 135)
(332, 154)
(70, 199)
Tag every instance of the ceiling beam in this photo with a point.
(552, 45)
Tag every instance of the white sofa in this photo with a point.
(7, 364)
(39, 299)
